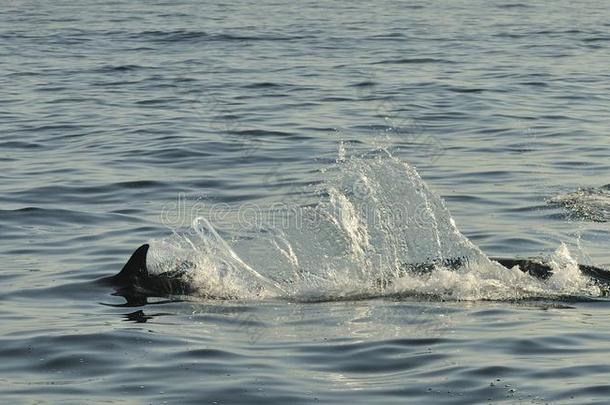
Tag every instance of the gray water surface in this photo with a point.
(114, 115)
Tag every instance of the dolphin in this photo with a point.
(134, 282)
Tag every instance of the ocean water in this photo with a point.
(298, 154)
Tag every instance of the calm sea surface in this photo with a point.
(127, 122)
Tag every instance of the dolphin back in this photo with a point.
(134, 280)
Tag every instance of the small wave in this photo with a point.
(365, 83)
(597, 39)
(466, 90)
(405, 61)
(117, 68)
(20, 145)
(191, 36)
(263, 85)
(514, 5)
(587, 204)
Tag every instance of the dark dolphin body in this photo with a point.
(135, 283)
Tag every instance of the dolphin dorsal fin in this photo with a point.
(134, 268)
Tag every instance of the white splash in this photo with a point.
(375, 216)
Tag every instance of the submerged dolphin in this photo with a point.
(135, 282)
